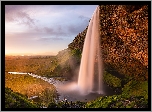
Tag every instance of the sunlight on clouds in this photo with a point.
(13, 27)
(43, 28)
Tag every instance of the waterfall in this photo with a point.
(90, 73)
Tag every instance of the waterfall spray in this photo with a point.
(91, 57)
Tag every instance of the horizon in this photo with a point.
(43, 29)
(31, 54)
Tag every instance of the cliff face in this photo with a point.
(124, 39)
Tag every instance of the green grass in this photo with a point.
(136, 88)
(17, 100)
(29, 86)
(118, 101)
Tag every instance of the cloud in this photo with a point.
(56, 32)
(48, 30)
(26, 19)
(17, 14)
(13, 8)
(34, 36)
(22, 14)
(44, 28)
(49, 38)
(79, 27)
(83, 18)
(56, 38)
(54, 22)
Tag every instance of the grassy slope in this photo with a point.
(42, 65)
(17, 100)
(30, 86)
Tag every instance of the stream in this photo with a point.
(68, 90)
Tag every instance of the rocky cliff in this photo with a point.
(124, 39)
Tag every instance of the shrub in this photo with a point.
(135, 88)
(16, 100)
(118, 101)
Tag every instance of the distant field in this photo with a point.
(39, 65)
(62, 65)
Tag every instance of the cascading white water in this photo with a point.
(90, 73)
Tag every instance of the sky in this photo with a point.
(43, 29)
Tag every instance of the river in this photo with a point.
(68, 90)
